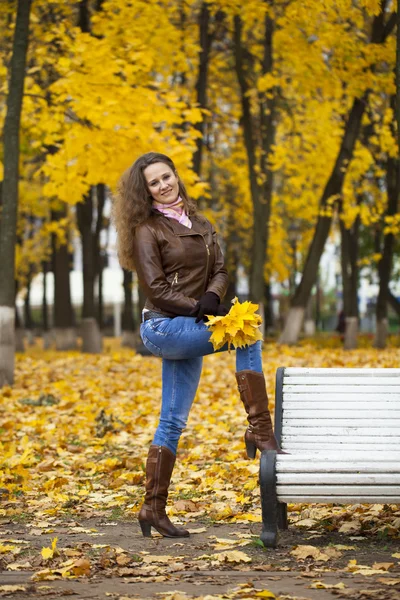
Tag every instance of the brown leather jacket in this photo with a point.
(177, 265)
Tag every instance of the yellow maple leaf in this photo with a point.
(6, 548)
(235, 556)
(48, 553)
(320, 585)
(238, 328)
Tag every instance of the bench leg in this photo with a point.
(282, 515)
(269, 502)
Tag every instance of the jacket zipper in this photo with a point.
(208, 260)
(208, 257)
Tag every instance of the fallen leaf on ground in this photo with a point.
(388, 581)
(200, 530)
(228, 556)
(48, 553)
(164, 559)
(384, 566)
(81, 567)
(303, 552)
(357, 569)
(7, 548)
(320, 585)
(5, 590)
(350, 526)
(18, 566)
(305, 523)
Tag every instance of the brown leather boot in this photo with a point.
(259, 434)
(159, 467)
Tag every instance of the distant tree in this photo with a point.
(8, 223)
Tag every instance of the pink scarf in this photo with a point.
(174, 210)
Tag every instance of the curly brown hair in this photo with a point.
(132, 203)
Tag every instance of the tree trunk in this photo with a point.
(63, 316)
(394, 303)
(231, 263)
(267, 114)
(295, 317)
(393, 190)
(261, 194)
(141, 348)
(45, 311)
(19, 329)
(29, 324)
(268, 309)
(91, 336)
(201, 85)
(129, 337)
(309, 320)
(8, 224)
(84, 16)
(349, 258)
(385, 264)
(100, 303)
(100, 257)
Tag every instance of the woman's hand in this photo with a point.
(207, 305)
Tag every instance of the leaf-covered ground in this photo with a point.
(74, 433)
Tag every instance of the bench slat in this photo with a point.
(318, 466)
(339, 479)
(335, 380)
(356, 407)
(340, 431)
(365, 372)
(382, 389)
(340, 453)
(336, 490)
(339, 414)
(311, 397)
(356, 499)
(342, 421)
(345, 444)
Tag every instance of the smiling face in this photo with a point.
(162, 183)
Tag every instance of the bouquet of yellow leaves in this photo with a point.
(240, 327)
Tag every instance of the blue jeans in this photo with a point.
(182, 343)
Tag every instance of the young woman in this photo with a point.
(180, 267)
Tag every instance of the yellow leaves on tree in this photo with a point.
(239, 328)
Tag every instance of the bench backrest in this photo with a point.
(342, 410)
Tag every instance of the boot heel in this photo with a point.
(251, 449)
(146, 528)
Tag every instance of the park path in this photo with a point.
(222, 560)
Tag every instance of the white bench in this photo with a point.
(341, 431)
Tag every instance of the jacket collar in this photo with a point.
(198, 226)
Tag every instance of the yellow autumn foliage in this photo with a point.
(76, 428)
(48, 553)
(239, 328)
(95, 101)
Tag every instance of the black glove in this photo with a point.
(222, 311)
(207, 305)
